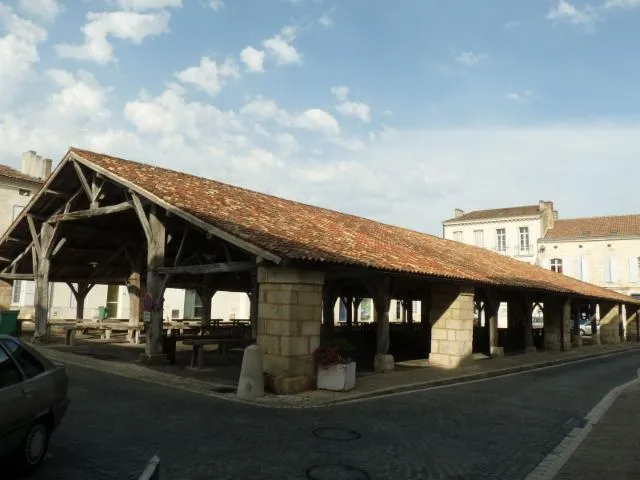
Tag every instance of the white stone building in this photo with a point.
(604, 251)
(16, 190)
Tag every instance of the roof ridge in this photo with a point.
(599, 217)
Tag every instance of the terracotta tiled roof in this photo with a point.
(302, 232)
(523, 211)
(12, 173)
(595, 227)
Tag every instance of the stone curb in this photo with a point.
(201, 387)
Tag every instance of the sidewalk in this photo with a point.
(368, 385)
(612, 448)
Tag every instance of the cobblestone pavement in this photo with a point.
(496, 429)
(611, 449)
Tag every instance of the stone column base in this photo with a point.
(282, 385)
(497, 352)
(530, 349)
(153, 359)
(383, 363)
(576, 341)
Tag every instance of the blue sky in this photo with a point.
(398, 111)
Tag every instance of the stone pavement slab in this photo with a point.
(612, 449)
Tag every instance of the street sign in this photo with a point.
(147, 302)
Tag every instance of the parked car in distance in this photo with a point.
(585, 327)
(33, 400)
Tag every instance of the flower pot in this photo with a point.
(340, 377)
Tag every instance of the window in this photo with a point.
(634, 269)
(611, 270)
(524, 239)
(501, 240)
(16, 291)
(478, 238)
(16, 211)
(556, 265)
(458, 236)
(175, 313)
(27, 361)
(584, 269)
(9, 373)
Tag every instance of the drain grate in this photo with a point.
(336, 471)
(337, 434)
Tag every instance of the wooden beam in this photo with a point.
(58, 246)
(144, 221)
(83, 180)
(234, 240)
(57, 194)
(228, 267)
(34, 235)
(4, 259)
(107, 262)
(92, 212)
(16, 276)
(176, 260)
(17, 240)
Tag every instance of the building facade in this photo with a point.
(512, 231)
(604, 251)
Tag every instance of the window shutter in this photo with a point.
(607, 269)
(29, 293)
(584, 270)
(614, 269)
(566, 267)
(634, 274)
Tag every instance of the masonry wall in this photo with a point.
(609, 323)
(452, 325)
(289, 322)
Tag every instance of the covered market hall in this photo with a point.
(99, 219)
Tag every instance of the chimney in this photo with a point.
(458, 213)
(548, 215)
(34, 165)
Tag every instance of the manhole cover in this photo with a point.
(337, 471)
(337, 434)
(223, 389)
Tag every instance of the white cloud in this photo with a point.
(313, 119)
(523, 96)
(46, 9)
(141, 5)
(279, 46)
(253, 59)
(622, 4)
(326, 21)
(358, 110)
(568, 12)
(208, 75)
(18, 53)
(340, 92)
(287, 143)
(131, 26)
(216, 4)
(468, 59)
(80, 96)
(170, 114)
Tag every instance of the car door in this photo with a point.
(12, 415)
(37, 387)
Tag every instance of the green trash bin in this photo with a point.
(103, 313)
(9, 322)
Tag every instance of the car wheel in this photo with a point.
(33, 450)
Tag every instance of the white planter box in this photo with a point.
(341, 377)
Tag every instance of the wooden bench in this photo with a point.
(70, 331)
(197, 354)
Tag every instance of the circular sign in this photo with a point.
(147, 302)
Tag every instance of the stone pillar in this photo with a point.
(491, 306)
(254, 296)
(329, 297)
(5, 295)
(289, 323)
(348, 305)
(520, 327)
(382, 362)
(452, 325)
(595, 326)
(356, 306)
(528, 326)
(632, 324)
(623, 322)
(609, 323)
(134, 290)
(557, 324)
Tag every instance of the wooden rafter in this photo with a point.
(92, 212)
(83, 180)
(228, 267)
(142, 216)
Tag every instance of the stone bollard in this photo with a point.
(251, 382)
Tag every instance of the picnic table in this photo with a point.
(197, 353)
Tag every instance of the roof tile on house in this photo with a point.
(12, 173)
(299, 231)
(595, 227)
(522, 211)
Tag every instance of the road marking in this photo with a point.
(549, 467)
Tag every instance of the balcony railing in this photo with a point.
(518, 251)
(526, 251)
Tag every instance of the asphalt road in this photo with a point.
(496, 429)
